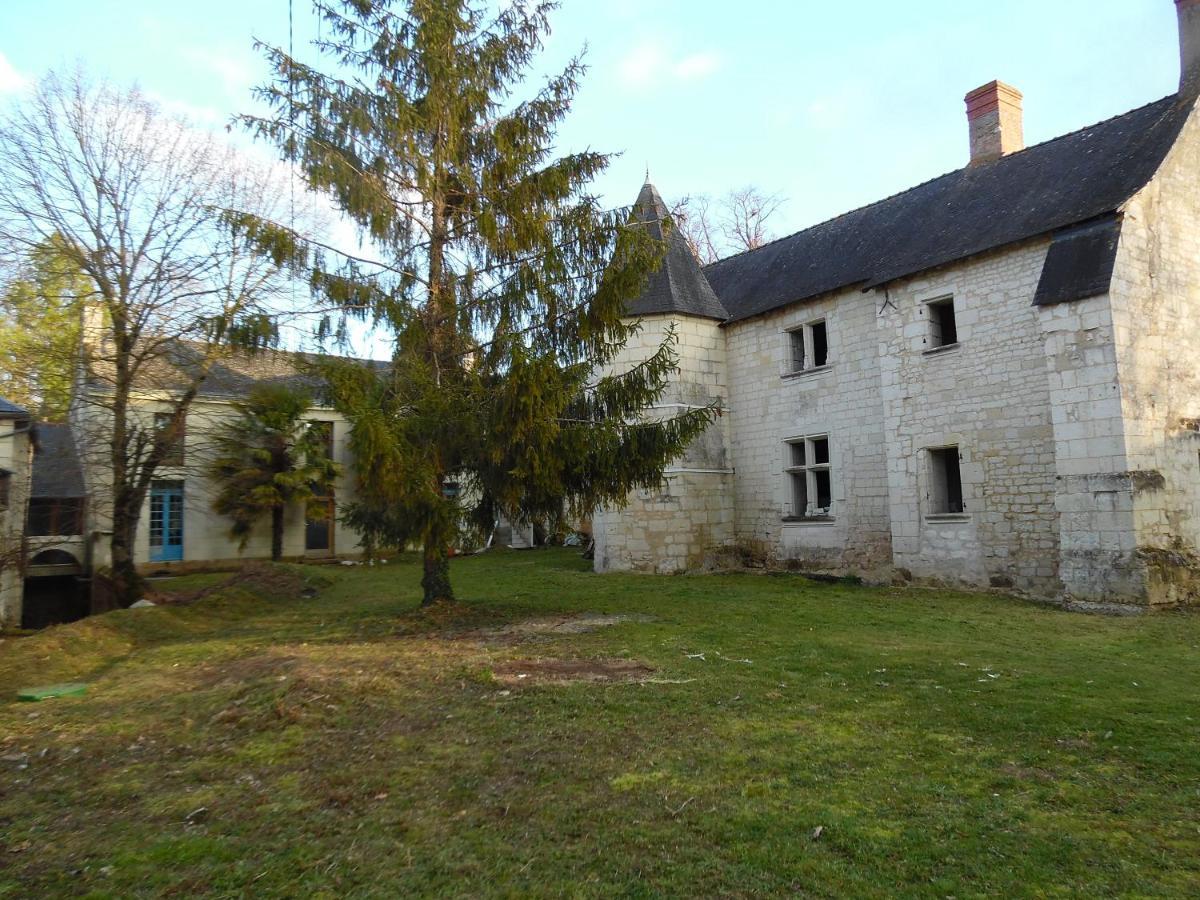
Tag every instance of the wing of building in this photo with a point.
(16, 460)
(992, 379)
(55, 482)
(178, 524)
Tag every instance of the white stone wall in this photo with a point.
(1155, 302)
(769, 406)
(989, 396)
(1092, 495)
(1078, 425)
(677, 525)
(206, 537)
(16, 455)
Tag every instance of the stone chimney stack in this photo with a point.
(994, 116)
(1188, 12)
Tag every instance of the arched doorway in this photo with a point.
(54, 590)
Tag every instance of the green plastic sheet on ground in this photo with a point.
(46, 692)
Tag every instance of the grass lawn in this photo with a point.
(780, 737)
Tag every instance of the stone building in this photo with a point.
(16, 459)
(61, 498)
(990, 379)
(178, 525)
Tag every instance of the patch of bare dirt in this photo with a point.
(233, 672)
(571, 671)
(517, 632)
(259, 577)
(579, 624)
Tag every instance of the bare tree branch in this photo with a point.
(744, 217)
(137, 200)
(693, 216)
(734, 224)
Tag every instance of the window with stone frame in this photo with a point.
(945, 482)
(810, 477)
(322, 432)
(54, 516)
(808, 347)
(943, 329)
(5, 488)
(175, 452)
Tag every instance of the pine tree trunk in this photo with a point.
(276, 533)
(436, 581)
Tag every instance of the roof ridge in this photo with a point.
(937, 178)
(282, 351)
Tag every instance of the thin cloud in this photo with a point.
(10, 79)
(650, 64)
(236, 74)
(698, 65)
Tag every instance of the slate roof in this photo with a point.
(1079, 263)
(233, 376)
(678, 285)
(56, 470)
(11, 410)
(1064, 182)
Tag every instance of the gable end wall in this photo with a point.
(1155, 304)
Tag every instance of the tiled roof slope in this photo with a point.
(232, 376)
(1063, 182)
(56, 471)
(678, 285)
(11, 410)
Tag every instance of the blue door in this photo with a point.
(166, 521)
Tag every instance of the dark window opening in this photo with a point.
(942, 328)
(822, 480)
(50, 516)
(174, 454)
(820, 344)
(5, 488)
(946, 495)
(820, 448)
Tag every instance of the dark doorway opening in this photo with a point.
(54, 600)
(318, 527)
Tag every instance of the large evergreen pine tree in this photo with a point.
(504, 281)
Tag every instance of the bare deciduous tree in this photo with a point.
(745, 214)
(138, 200)
(694, 218)
(735, 223)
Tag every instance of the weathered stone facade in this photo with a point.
(1044, 438)
(16, 463)
(691, 513)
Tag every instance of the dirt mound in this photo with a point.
(571, 671)
(264, 578)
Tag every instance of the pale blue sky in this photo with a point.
(831, 104)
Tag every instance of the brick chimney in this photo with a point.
(1188, 12)
(994, 116)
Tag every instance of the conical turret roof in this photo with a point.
(678, 285)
